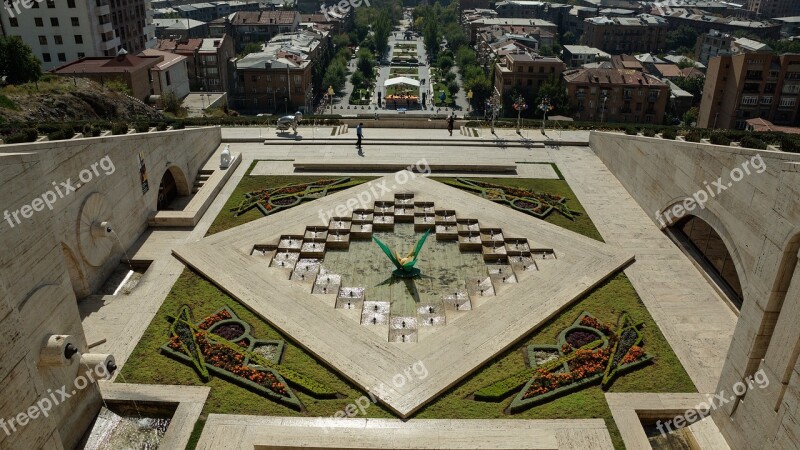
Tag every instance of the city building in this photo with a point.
(516, 26)
(494, 38)
(61, 31)
(703, 22)
(170, 75)
(771, 8)
(207, 61)
(180, 28)
(750, 85)
(578, 55)
(132, 71)
(643, 33)
(525, 72)
(133, 23)
(261, 26)
(556, 13)
(279, 79)
(760, 124)
(616, 95)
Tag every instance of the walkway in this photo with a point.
(696, 322)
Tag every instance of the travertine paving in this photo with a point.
(363, 356)
(228, 432)
(695, 320)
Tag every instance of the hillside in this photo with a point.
(57, 99)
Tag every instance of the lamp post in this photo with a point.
(545, 106)
(469, 100)
(494, 105)
(603, 109)
(520, 106)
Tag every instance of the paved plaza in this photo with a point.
(678, 303)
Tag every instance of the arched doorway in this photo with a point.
(705, 245)
(173, 184)
(80, 285)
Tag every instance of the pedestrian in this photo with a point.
(359, 136)
(450, 121)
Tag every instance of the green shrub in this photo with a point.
(631, 131)
(753, 142)
(669, 133)
(61, 134)
(693, 136)
(178, 125)
(24, 135)
(119, 128)
(790, 143)
(649, 132)
(161, 126)
(142, 127)
(6, 102)
(720, 139)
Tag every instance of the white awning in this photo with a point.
(401, 80)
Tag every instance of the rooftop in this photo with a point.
(109, 64)
(170, 58)
(264, 17)
(619, 77)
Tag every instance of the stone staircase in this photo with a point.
(202, 176)
(470, 131)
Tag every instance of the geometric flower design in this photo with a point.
(539, 205)
(587, 352)
(270, 201)
(222, 344)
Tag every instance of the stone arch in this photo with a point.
(173, 184)
(77, 277)
(735, 277)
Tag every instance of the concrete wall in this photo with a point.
(758, 218)
(45, 252)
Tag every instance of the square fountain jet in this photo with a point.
(569, 265)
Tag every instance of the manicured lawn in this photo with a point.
(404, 72)
(582, 224)
(147, 365)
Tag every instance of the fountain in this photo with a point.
(404, 264)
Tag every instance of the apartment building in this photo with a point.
(63, 31)
(170, 75)
(133, 23)
(556, 13)
(515, 26)
(261, 26)
(641, 34)
(616, 95)
(750, 85)
(180, 28)
(525, 72)
(279, 79)
(771, 8)
(578, 55)
(207, 61)
(703, 22)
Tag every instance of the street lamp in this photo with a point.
(544, 107)
(493, 104)
(603, 109)
(520, 106)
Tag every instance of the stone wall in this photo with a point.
(758, 218)
(51, 254)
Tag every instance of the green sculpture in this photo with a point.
(404, 264)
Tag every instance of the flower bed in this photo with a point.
(222, 344)
(582, 356)
(539, 205)
(270, 201)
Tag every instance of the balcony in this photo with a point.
(110, 44)
(105, 27)
(103, 10)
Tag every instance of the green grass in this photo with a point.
(7, 103)
(581, 225)
(404, 72)
(147, 365)
(249, 183)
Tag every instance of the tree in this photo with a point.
(692, 85)
(430, 36)
(381, 30)
(681, 37)
(366, 62)
(336, 75)
(465, 57)
(17, 63)
(170, 102)
(556, 92)
(358, 80)
(453, 88)
(251, 47)
(341, 40)
(690, 116)
(445, 63)
(685, 63)
(568, 38)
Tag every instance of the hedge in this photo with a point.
(753, 142)
(693, 136)
(669, 133)
(720, 139)
(649, 132)
(119, 128)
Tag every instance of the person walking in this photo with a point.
(450, 121)
(359, 136)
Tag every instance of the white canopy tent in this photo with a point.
(402, 81)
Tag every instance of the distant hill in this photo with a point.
(59, 99)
